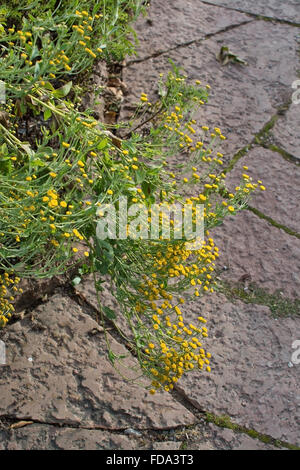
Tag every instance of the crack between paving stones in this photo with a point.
(256, 16)
(9, 420)
(59, 289)
(259, 140)
(187, 43)
(219, 421)
(273, 222)
(60, 425)
(260, 137)
(284, 154)
(178, 394)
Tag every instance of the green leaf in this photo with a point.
(102, 144)
(111, 356)
(140, 176)
(109, 313)
(147, 188)
(47, 114)
(37, 162)
(37, 70)
(35, 52)
(63, 91)
(5, 167)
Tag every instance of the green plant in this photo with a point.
(53, 185)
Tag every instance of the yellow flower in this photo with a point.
(90, 52)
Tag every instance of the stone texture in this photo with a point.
(57, 372)
(251, 380)
(166, 445)
(243, 98)
(287, 10)
(211, 437)
(169, 24)
(281, 179)
(47, 437)
(286, 131)
(203, 436)
(252, 246)
(86, 289)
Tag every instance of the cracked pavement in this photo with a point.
(58, 383)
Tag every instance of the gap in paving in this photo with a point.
(188, 43)
(179, 395)
(254, 15)
(273, 222)
(260, 139)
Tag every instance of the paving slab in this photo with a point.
(212, 437)
(203, 436)
(169, 24)
(286, 131)
(49, 437)
(251, 380)
(281, 178)
(87, 291)
(57, 372)
(243, 98)
(252, 246)
(277, 9)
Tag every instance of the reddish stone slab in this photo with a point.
(281, 178)
(283, 10)
(243, 98)
(45, 437)
(169, 24)
(212, 437)
(250, 245)
(204, 436)
(251, 380)
(86, 289)
(286, 133)
(58, 372)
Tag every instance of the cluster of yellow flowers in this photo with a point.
(8, 290)
(176, 346)
(53, 192)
